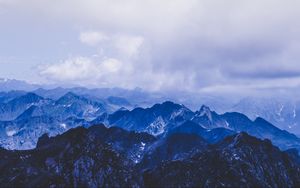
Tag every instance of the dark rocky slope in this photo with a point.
(112, 157)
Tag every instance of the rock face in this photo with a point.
(25, 118)
(154, 120)
(112, 157)
(238, 161)
(74, 159)
(167, 117)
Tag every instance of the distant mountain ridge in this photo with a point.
(283, 112)
(13, 84)
(168, 117)
(27, 116)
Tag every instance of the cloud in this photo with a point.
(129, 45)
(92, 38)
(179, 44)
(71, 69)
(83, 71)
(125, 44)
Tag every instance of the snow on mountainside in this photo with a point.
(282, 112)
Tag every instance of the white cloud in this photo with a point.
(71, 69)
(187, 44)
(129, 45)
(92, 37)
(126, 45)
(111, 65)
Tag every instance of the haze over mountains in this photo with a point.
(115, 137)
(280, 109)
(26, 115)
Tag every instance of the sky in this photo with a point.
(189, 45)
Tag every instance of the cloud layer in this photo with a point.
(194, 45)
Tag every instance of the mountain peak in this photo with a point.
(68, 97)
(243, 138)
(29, 97)
(30, 94)
(205, 111)
(204, 108)
(167, 105)
(261, 120)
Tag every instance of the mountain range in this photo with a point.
(78, 138)
(282, 110)
(26, 116)
(112, 157)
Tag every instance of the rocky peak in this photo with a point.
(205, 111)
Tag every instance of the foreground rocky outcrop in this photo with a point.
(112, 157)
(238, 161)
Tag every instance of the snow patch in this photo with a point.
(205, 111)
(280, 110)
(63, 125)
(236, 157)
(142, 146)
(11, 132)
(226, 124)
(157, 127)
(177, 113)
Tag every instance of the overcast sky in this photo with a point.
(193, 45)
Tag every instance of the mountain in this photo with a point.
(13, 108)
(131, 144)
(8, 96)
(74, 159)
(210, 135)
(27, 117)
(119, 101)
(68, 105)
(238, 161)
(238, 122)
(24, 133)
(79, 106)
(152, 120)
(208, 119)
(177, 146)
(12, 84)
(282, 112)
(166, 117)
(112, 96)
(106, 157)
